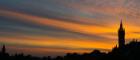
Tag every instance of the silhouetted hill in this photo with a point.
(130, 51)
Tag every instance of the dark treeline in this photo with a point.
(130, 51)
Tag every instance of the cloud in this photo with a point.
(90, 23)
(32, 40)
(60, 24)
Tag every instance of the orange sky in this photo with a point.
(69, 26)
(71, 43)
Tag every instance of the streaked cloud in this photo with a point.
(66, 25)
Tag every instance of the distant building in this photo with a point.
(121, 35)
(3, 54)
(3, 50)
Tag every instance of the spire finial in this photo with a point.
(121, 24)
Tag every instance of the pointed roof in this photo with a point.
(121, 25)
(3, 49)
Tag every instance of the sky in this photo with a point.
(57, 27)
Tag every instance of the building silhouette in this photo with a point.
(121, 36)
(3, 50)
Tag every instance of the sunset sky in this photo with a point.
(56, 27)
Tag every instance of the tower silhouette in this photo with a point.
(3, 49)
(121, 35)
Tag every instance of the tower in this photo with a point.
(121, 35)
(3, 49)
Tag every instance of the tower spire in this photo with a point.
(121, 35)
(3, 49)
(121, 25)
